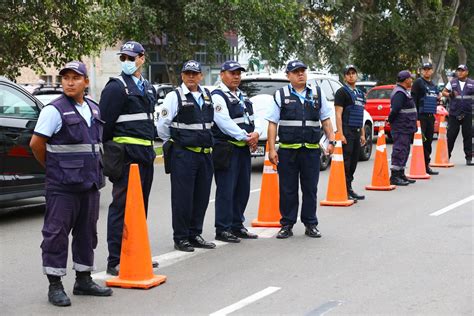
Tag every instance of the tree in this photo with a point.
(39, 33)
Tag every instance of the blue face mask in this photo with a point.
(129, 67)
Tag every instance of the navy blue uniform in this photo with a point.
(127, 108)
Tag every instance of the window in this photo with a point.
(326, 87)
(14, 104)
(254, 87)
(379, 94)
(48, 79)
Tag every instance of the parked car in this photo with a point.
(378, 105)
(162, 90)
(21, 176)
(260, 88)
(365, 86)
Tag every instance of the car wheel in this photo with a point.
(324, 161)
(366, 150)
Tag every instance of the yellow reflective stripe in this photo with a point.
(199, 149)
(132, 141)
(239, 143)
(298, 146)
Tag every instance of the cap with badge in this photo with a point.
(132, 49)
(349, 67)
(427, 66)
(295, 64)
(403, 75)
(191, 65)
(76, 66)
(231, 65)
(462, 67)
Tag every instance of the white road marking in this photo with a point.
(453, 206)
(246, 301)
(251, 191)
(264, 232)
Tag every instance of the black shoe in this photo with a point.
(469, 162)
(431, 171)
(199, 242)
(404, 177)
(351, 198)
(183, 245)
(113, 270)
(355, 195)
(227, 237)
(285, 232)
(397, 180)
(312, 231)
(86, 286)
(57, 296)
(244, 233)
(155, 264)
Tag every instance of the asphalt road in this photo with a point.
(385, 255)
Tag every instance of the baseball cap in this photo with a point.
(76, 66)
(191, 65)
(231, 65)
(349, 67)
(403, 75)
(462, 66)
(132, 49)
(295, 64)
(427, 66)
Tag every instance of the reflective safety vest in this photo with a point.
(74, 153)
(405, 121)
(429, 102)
(135, 125)
(464, 100)
(240, 111)
(191, 127)
(299, 123)
(354, 114)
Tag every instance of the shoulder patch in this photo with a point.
(218, 108)
(164, 112)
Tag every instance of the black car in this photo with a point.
(21, 176)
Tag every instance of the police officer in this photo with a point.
(186, 120)
(299, 111)
(235, 134)
(461, 93)
(402, 119)
(67, 141)
(425, 94)
(349, 105)
(127, 106)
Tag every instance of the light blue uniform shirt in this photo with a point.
(222, 117)
(50, 122)
(273, 114)
(137, 80)
(170, 110)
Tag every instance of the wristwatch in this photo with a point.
(332, 142)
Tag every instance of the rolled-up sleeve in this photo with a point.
(273, 112)
(168, 113)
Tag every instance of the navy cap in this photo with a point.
(295, 64)
(427, 66)
(462, 66)
(349, 67)
(191, 65)
(76, 66)
(231, 65)
(403, 75)
(132, 49)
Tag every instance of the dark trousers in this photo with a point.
(66, 211)
(233, 190)
(116, 214)
(427, 122)
(453, 130)
(191, 179)
(400, 150)
(351, 152)
(303, 165)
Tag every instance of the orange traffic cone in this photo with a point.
(337, 191)
(380, 176)
(442, 157)
(135, 259)
(417, 165)
(269, 206)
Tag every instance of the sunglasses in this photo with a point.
(126, 57)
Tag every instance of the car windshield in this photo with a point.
(379, 94)
(252, 87)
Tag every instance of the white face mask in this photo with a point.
(129, 67)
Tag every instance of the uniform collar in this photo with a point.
(306, 87)
(186, 90)
(225, 88)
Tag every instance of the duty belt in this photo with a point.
(239, 143)
(205, 150)
(298, 146)
(132, 141)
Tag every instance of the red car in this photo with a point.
(378, 105)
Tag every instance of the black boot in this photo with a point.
(431, 171)
(404, 177)
(56, 294)
(396, 179)
(85, 286)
